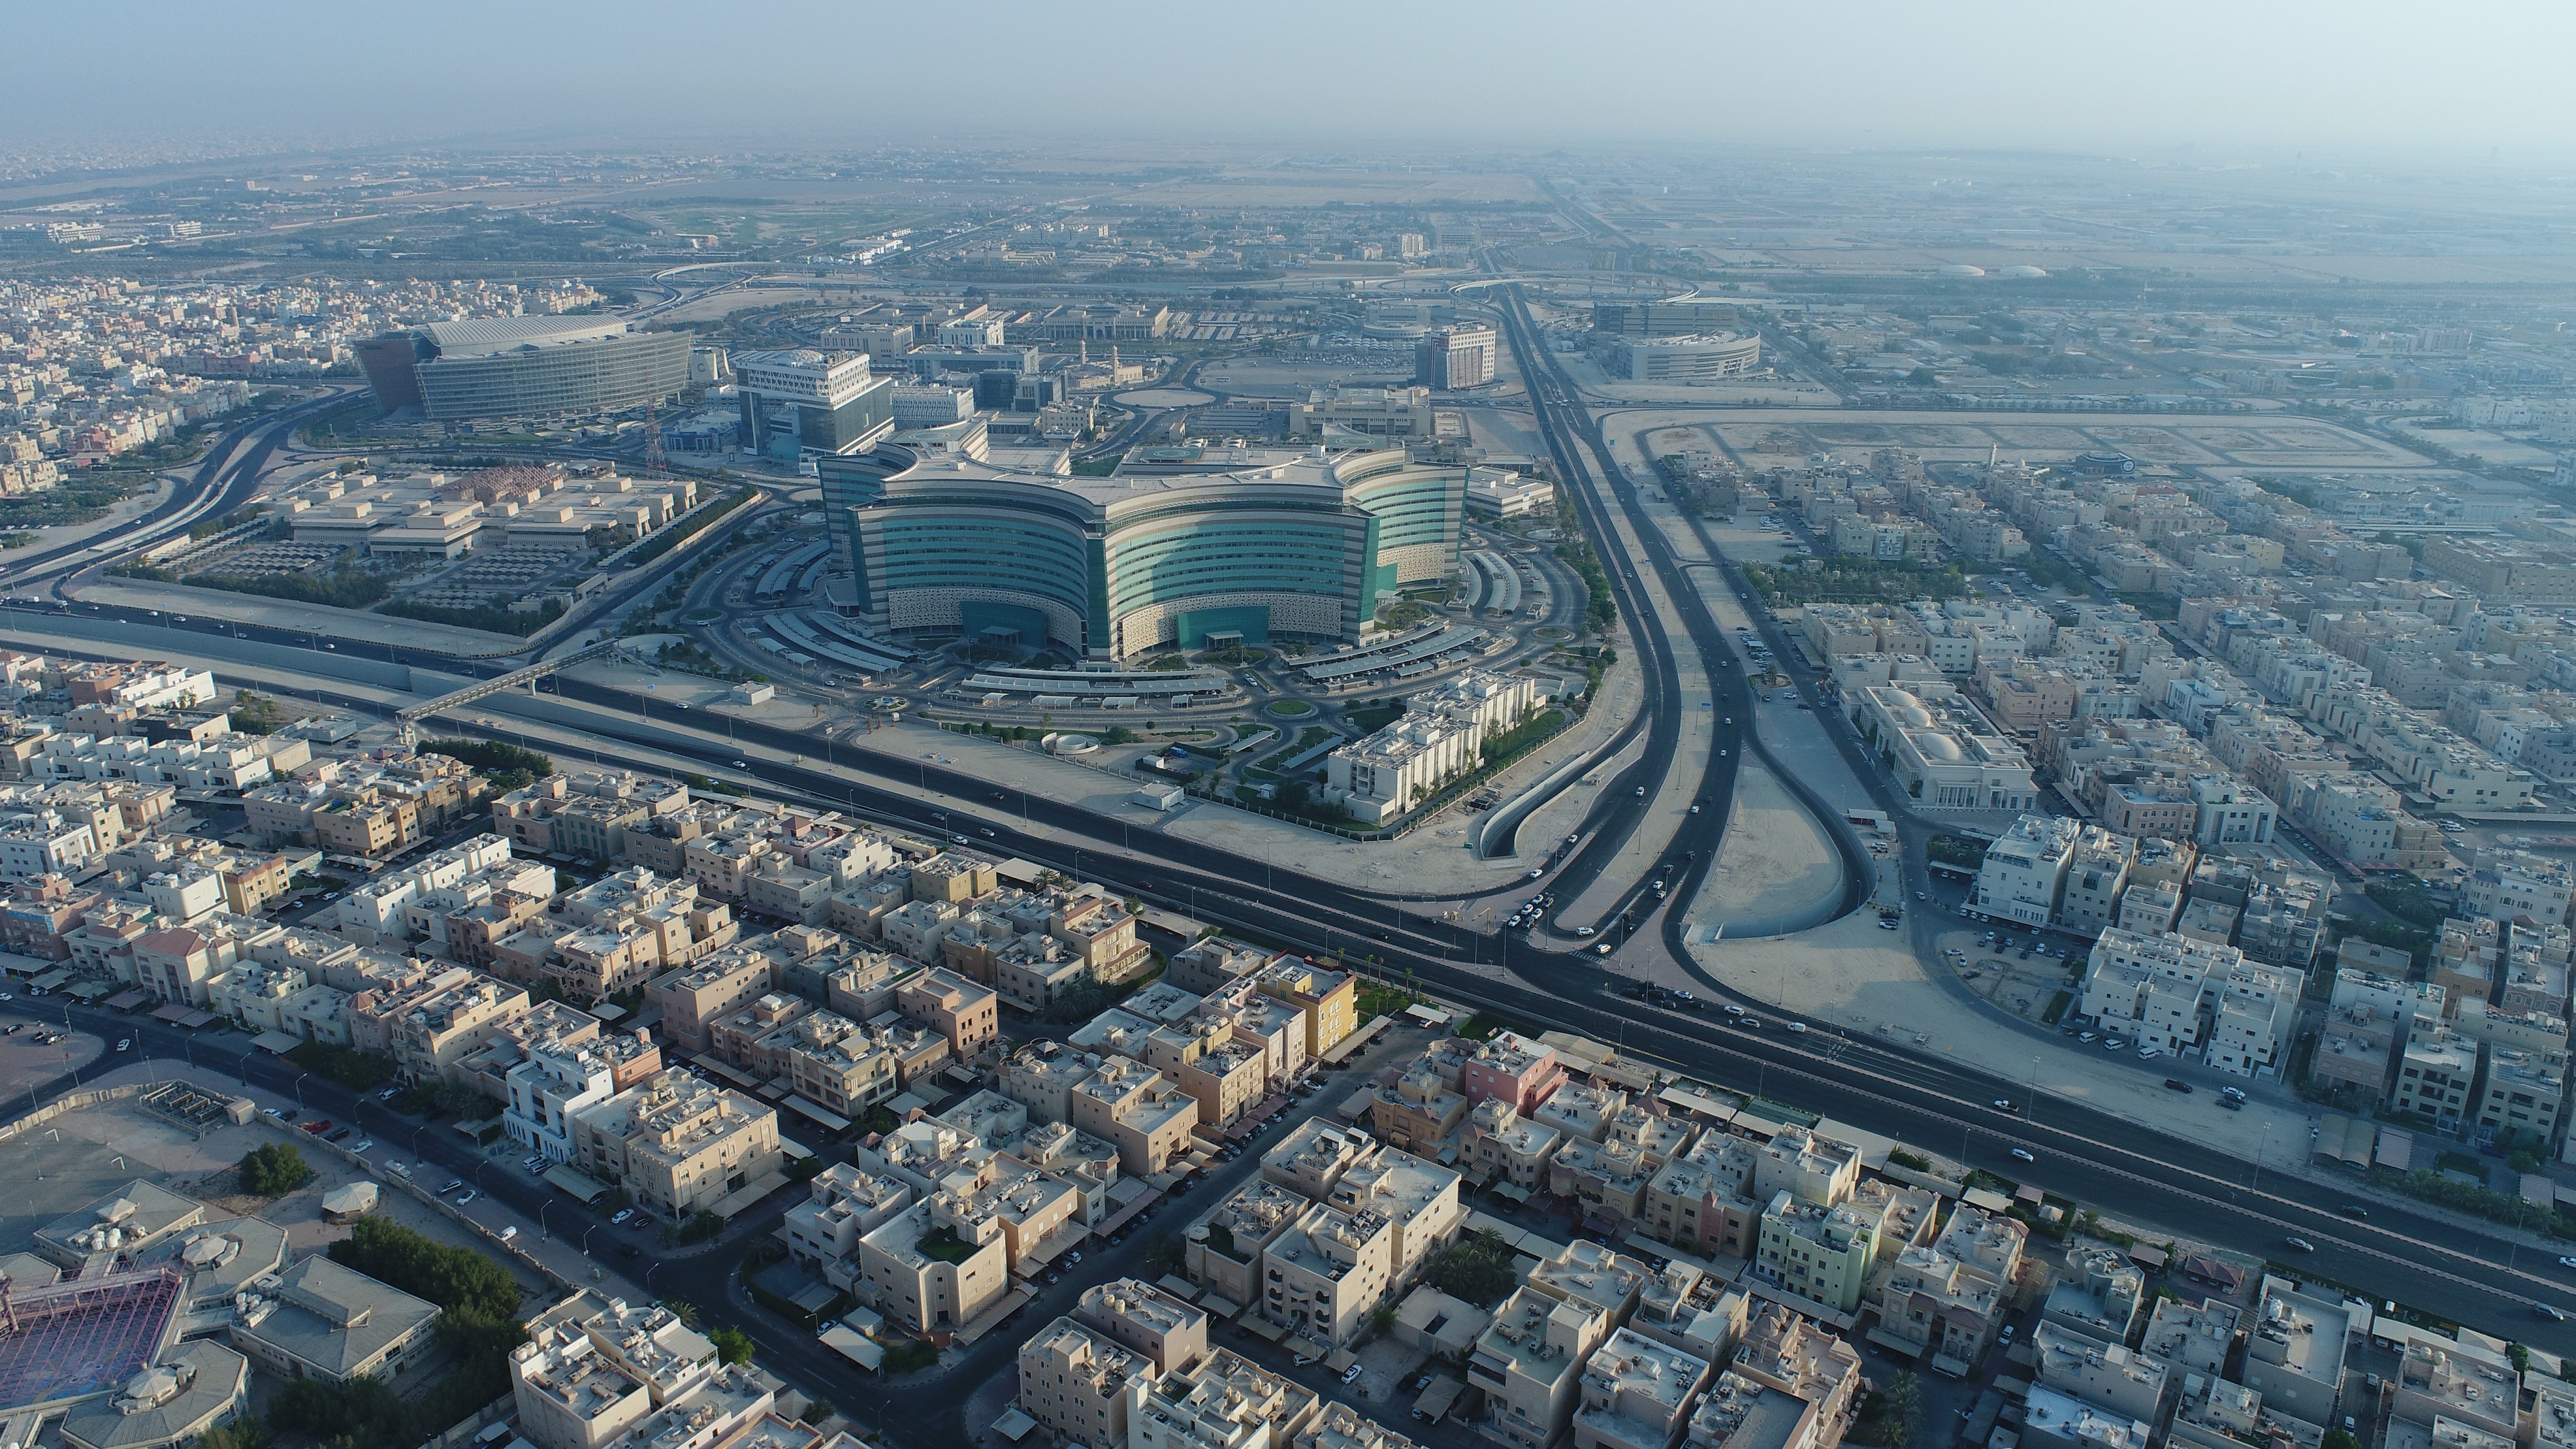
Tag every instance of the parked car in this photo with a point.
(125, 1043)
(468, 1195)
(622, 1217)
(340, 1134)
(1351, 1375)
(508, 1231)
(2177, 1084)
(318, 1126)
(629, 1250)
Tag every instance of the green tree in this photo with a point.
(2338, 1439)
(249, 1431)
(273, 1171)
(1903, 1412)
(1477, 1269)
(456, 1279)
(732, 1344)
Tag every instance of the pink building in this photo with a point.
(1508, 1069)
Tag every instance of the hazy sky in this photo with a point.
(2237, 76)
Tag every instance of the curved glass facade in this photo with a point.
(598, 375)
(1131, 563)
(1181, 558)
(1416, 508)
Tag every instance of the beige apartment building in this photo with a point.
(1419, 1112)
(1420, 1198)
(1080, 1386)
(1145, 1318)
(679, 1143)
(1323, 1277)
(1227, 1402)
(1223, 1251)
(1042, 1075)
(1330, 1000)
(1311, 1159)
(1132, 1105)
(442, 1027)
(966, 1013)
(1636, 1394)
(693, 998)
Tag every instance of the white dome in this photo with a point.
(2021, 271)
(1936, 746)
(1962, 269)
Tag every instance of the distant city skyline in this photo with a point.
(2341, 81)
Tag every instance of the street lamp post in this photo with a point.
(299, 1090)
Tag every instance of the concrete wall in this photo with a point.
(132, 640)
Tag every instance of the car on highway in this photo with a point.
(2002, 1105)
(2022, 1154)
(2298, 1245)
(2353, 1210)
(2554, 1315)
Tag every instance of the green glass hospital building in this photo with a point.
(1176, 549)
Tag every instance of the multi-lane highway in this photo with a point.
(224, 480)
(2089, 1155)
(2084, 1153)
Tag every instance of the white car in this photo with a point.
(1796, 1026)
(508, 1232)
(125, 1044)
(1583, 930)
(2023, 1155)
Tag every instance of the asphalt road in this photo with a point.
(2149, 1176)
(222, 482)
